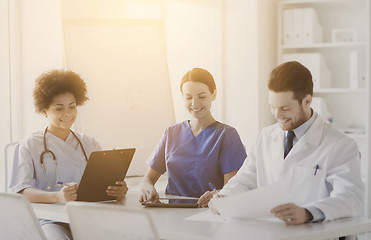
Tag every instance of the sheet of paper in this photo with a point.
(256, 203)
(207, 216)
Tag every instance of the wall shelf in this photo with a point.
(340, 90)
(326, 45)
(292, 2)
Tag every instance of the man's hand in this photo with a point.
(292, 214)
(211, 205)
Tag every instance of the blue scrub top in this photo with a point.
(193, 162)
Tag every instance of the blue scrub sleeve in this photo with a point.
(232, 152)
(157, 158)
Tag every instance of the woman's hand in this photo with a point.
(149, 194)
(203, 201)
(147, 186)
(67, 193)
(118, 191)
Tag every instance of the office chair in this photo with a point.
(17, 218)
(109, 221)
(10, 152)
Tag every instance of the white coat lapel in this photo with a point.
(310, 140)
(276, 160)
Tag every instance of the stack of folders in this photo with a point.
(301, 26)
(316, 64)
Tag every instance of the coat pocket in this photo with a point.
(307, 185)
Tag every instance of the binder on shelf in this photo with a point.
(353, 70)
(297, 21)
(287, 27)
(301, 26)
(312, 29)
(357, 79)
(316, 64)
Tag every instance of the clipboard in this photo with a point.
(103, 169)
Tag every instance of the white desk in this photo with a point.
(171, 224)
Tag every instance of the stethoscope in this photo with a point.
(46, 150)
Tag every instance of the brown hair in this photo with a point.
(291, 76)
(199, 75)
(55, 82)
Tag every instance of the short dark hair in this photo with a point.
(199, 75)
(55, 82)
(291, 76)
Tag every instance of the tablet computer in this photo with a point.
(103, 169)
(172, 203)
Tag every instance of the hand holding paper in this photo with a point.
(292, 214)
(256, 203)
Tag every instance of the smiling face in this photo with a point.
(61, 112)
(289, 112)
(197, 98)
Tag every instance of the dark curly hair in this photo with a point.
(55, 82)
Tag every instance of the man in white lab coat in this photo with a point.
(319, 165)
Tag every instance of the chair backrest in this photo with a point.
(17, 218)
(10, 155)
(109, 221)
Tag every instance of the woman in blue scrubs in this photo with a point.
(195, 152)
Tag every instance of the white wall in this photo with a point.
(250, 54)
(4, 74)
(194, 39)
(36, 46)
(128, 84)
(241, 68)
(5, 136)
(30, 42)
(267, 57)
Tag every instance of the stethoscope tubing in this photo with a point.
(46, 150)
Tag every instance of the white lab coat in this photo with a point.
(336, 189)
